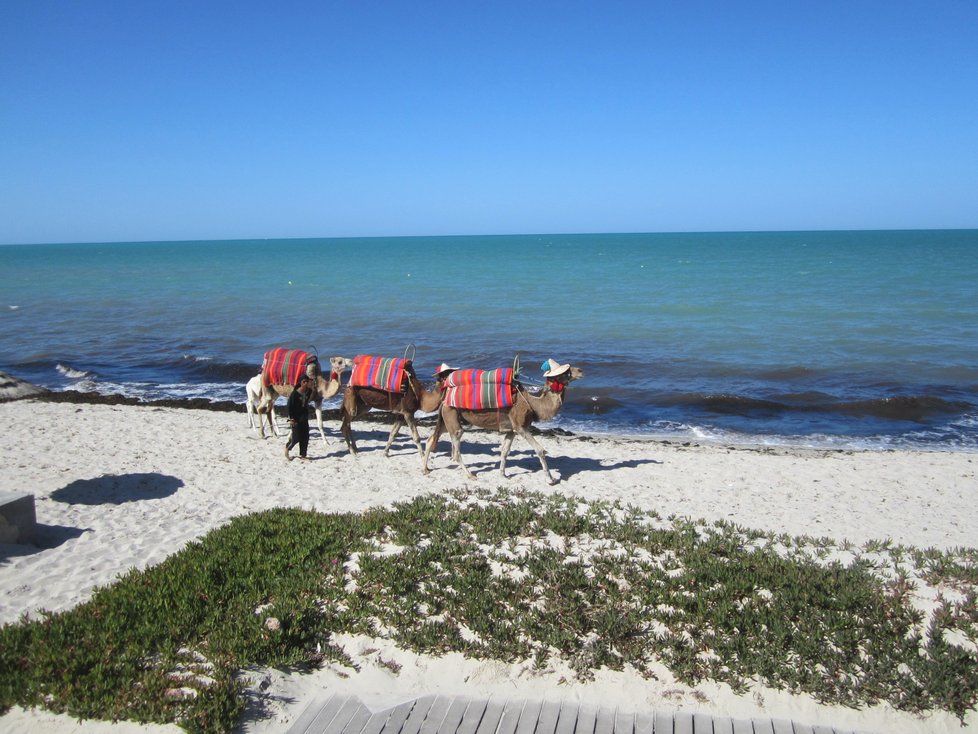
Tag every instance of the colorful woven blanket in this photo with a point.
(286, 366)
(383, 373)
(480, 389)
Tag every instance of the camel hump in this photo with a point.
(480, 389)
(382, 373)
(285, 366)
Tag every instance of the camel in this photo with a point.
(359, 400)
(512, 421)
(261, 399)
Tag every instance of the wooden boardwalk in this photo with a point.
(458, 715)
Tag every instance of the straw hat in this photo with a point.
(554, 368)
(444, 368)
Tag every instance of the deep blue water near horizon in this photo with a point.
(852, 339)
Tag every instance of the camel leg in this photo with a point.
(541, 453)
(413, 427)
(266, 407)
(253, 394)
(269, 415)
(250, 408)
(319, 422)
(395, 429)
(456, 436)
(261, 419)
(348, 432)
(432, 443)
(252, 423)
(504, 451)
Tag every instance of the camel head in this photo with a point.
(558, 382)
(338, 365)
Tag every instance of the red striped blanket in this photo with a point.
(480, 389)
(285, 366)
(383, 373)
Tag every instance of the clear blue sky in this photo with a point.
(178, 119)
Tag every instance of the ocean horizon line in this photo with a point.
(635, 233)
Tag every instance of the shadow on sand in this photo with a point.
(45, 538)
(115, 489)
(524, 459)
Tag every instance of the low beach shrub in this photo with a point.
(508, 576)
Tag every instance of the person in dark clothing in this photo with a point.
(299, 418)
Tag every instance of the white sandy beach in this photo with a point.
(123, 486)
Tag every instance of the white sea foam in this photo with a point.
(71, 373)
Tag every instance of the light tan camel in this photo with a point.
(359, 400)
(261, 398)
(512, 421)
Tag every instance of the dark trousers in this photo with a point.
(300, 435)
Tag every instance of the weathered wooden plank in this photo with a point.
(604, 721)
(344, 714)
(663, 722)
(587, 717)
(702, 724)
(375, 724)
(644, 723)
(308, 715)
(358, 721)
(510, 718)
(436, 714)
(567, 717)
(549, 713)
(683, 723)
(472, 716)
(624, 722)
(453, 717)
(490, 719)
(326, 713)
(398, 715)
(529, 717)
(346, 719)
(417, 715)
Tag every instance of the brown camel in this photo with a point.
(512, 421)
(359, 400)
(261, 398)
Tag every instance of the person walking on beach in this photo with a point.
(299, 418)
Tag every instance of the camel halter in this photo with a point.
(556, 386)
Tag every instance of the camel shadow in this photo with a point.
(116, 489)
(526, 461)
(402, 443)
(568, 466)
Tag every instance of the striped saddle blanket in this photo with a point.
(285, 366)
(382, 373)
(480, 389)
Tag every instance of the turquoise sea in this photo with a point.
(856, 339)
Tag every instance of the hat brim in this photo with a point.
(557, 371)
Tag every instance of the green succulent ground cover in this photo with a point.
(507, 576)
